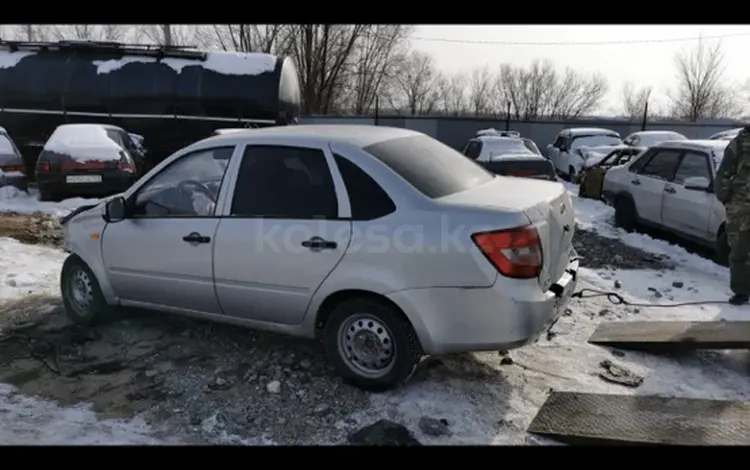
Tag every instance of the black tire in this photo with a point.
(404, 355)
(94, 312)
(625, 216)
(571, 174)
(46, 195)
(722, 248)
(582, 191)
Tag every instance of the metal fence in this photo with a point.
(456, 131)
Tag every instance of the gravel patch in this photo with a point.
(598, 252)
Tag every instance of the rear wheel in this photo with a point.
(571, 174)
(625, 215)
(371, 345)
(582, 190)
(47, 195)
(81, 294)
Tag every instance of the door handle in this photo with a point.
(317, 244)
(195, 237)
(670, 190)
(635, 182)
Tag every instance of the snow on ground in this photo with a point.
(498, 404)
(14, 200)
(485, 401)
(30, 269)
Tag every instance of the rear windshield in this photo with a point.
(432, 167)
(6, 146)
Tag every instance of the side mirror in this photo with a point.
(114, 210)
(698, 183)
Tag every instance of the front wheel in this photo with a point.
(625, 214)
(81, 294)
(371, 345)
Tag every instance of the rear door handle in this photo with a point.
(195, 237)
(317, 244)
(635, 182)
(670, 190)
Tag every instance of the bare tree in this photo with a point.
(480, 91)
(29, 32)
(322, 53)
(374, 63)
(415, 86)
(172, 34)
(89, 32)
(452, 90)
(701, 91)
(540, 91)
(269, 38)
(635, 100)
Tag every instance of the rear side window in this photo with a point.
(662, 165)
(431, 167)
(367, 199)
(284, 183)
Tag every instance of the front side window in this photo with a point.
(662, 165)
(188, 187)
(693, 165)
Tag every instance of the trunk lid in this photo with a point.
(547, 205)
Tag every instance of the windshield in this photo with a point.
(431, 167)
(595, 141)
(647, 140)
(531, 146)
(505, 146)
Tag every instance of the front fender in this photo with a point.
(83, 237)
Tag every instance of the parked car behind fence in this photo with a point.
(12, 168)
(87, 160)
(670, 186)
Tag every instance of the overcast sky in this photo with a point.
(647, 63)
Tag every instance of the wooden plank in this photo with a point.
(673, 335)
(590, 418)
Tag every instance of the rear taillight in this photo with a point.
(12, 169)
(42, 167)
(125, 163)
(521, 172)
(516, 252)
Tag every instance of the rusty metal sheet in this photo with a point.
(673, 335)
(590, 418)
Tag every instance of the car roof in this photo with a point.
(698, 144)
(575, 131)
(89, 124)
(357, 135)
(497, 138)
(654, 132)
(2, 129)
(517, 156)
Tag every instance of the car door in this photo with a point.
(684, 210)
(594, 177)
(286, 229)
(161, 254)
(553, 151)
(647, 185)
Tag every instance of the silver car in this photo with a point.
(670, 186)
(384, 243)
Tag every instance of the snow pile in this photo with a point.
(14, 200)
(28, 269)
(11, 59)
(30, 420)
(227, 63)
(83, 142)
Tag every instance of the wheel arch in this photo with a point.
(334, 299)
